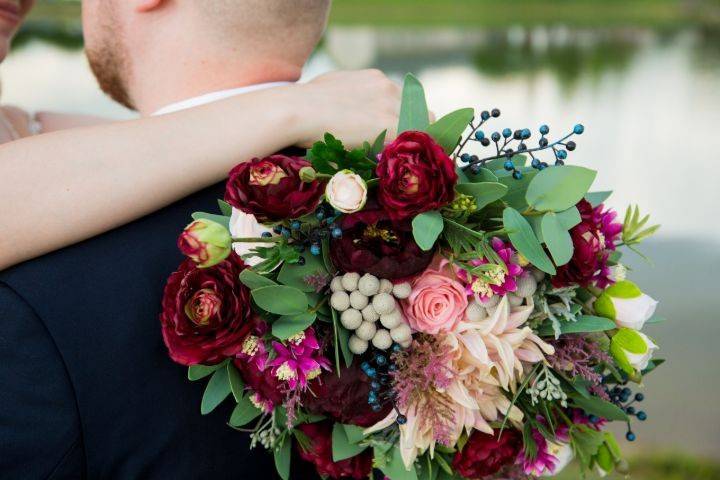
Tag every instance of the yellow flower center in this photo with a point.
(284, 372)
(250, 346)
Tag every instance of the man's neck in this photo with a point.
(178, 81)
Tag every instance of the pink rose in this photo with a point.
(437, 302)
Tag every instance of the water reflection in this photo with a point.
(651, 104)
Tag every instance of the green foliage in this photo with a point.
(596, 198)
(237, 386)
(414, 113)
(225, 208)
(559, 188)
(274, 256)
(342, 447)
(448, 130)
(217, 390)
(280, 300)
(244, 412)
(599, 407)
(426, 228)
(583, 324)
(395, 469)
(282, 456)
(289, 325)
(634, 231)
(461, 239)
(330, 156)
(254, 280)
(626, 340)
(484, 193)
(294, 274)
(196, 372)
(524, 240)
(557, 239)
(585, 442)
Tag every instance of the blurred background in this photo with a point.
(643, 76)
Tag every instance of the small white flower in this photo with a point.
(244, 225)
(625, 303)
(346, 191)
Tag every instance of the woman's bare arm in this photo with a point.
(63, 187)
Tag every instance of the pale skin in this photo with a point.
(63, 187)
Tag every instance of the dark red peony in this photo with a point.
(344, 398)
(372, 243)
(205, 312)
(593, 238)
(319, 453)
(485, 454)
(416, 175)
(271, 189)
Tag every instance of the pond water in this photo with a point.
(650, 102)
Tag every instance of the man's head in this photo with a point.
(137, 48)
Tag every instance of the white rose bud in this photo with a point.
(369, 314)
(382, 340)
(350, 281)
(244, 225)
(632, 350)
(383, 303)
(392, 319)
(366, 331)
(402, 290)
(357, 346)
(340, 301)
(336, 284)
(386, 286)
(401, 333)
(640, 361)
(346, 191)
(358, 300)
(369, 285)
(351, 319)
(625, 303)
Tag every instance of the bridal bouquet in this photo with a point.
(415, 309)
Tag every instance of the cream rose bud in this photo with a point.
(244, 225)
(640, 361)
(625, 303)
(346, 191)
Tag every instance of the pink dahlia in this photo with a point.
(495, 282)
(594, 238)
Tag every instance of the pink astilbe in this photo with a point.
(422, 376)
(500, 281)
(578, 356)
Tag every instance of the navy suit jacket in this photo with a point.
(86, 387)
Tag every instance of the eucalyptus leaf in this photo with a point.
(342, 448)
(596, 198)
(413, 110)
(282, 459)
(237, 387)
(244, 413)
(221, 219)
(426, 228)
(557, 239)
(484, 193)
(294, 274)
(344, 339)
(354, 433)
(196, 372)
(225, 208)
(280, 300)
(522, 237)
(559, 188)
(569, 218)
(379, 144)
(289, 325)
(583, 324)
(448, 130)
(515, 196)
(395, 468)
(254, 280)
(483, 175)
(217, 390)
(599, 407)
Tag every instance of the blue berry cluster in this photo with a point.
(506, 148)
(623, 397)
(309, 235)
(379, 370)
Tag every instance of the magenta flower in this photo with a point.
(299, 361)
(494, 282)
(544, 461)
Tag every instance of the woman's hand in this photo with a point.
(355, 106)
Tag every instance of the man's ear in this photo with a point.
(143, 6)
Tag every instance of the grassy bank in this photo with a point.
(486, 13)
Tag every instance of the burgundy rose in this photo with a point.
(271, 189)
(372, 243)
(344, 398)
(593, 238)
(416, 175)
(205, 312)
(485, 454)
(319, 453)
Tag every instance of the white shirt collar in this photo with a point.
(215, 96)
